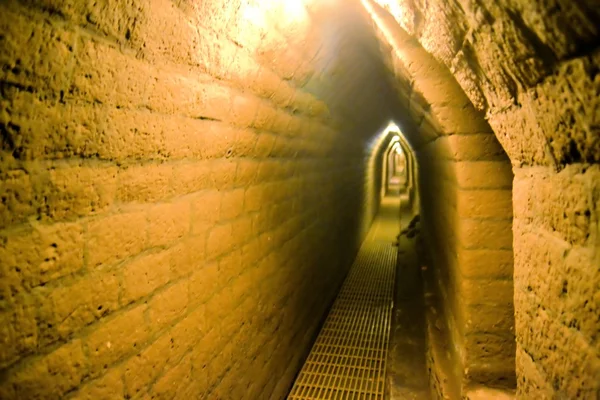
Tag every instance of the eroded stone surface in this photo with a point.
(525, 63)
(175, 179)
(532, 67)
(165, 165)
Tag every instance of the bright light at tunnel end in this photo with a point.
(392, 127)
(294, 8)
(391, 130)
(284, 11)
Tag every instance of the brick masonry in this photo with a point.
(184, 185)
(180, 197)
(465, 182)
(532, 69)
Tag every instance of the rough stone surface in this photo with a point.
(459, 161)
(532, 67)
(556, 281)
(526, 63)
(184, 184)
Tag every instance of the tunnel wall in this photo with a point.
(532, 68)
(412, 173)
(177, 212)
(464, 183)
(466, 219)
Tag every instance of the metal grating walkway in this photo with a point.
(348, 359)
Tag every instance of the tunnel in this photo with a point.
(190, 188)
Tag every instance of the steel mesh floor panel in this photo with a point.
(348, 359)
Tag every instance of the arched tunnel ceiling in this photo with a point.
(328, 48)
(514, 62)
(519, 61)
(331, 49)
(366, 69)
(430, 101)
(365, 83)
(354, 80)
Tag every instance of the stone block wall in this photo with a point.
(184, 179)
(556, 289)
(464, 182)
(182, 195)
(467, 223)
(532, 68)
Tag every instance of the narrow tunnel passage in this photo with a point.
(186, 184)
(349, 356)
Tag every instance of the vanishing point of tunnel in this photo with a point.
(299, 199)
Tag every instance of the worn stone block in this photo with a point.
(203, 283)
(485, 234)
(53, 374)
(115, 238)
(73, 306)
(168, 223)
(144, 275)
(103, 388)
(116, 338)
(168, 305)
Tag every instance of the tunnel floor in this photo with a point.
(407, 371)
(354, 355)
